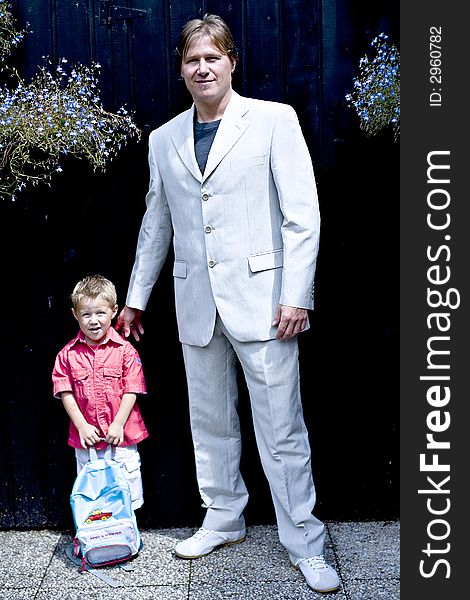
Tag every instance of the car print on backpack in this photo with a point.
(98, 515)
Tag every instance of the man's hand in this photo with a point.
(290, 321)
(129, 322)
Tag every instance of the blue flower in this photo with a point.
(378, 88)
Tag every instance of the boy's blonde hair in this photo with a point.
(94, 286)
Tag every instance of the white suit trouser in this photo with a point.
(272, 375)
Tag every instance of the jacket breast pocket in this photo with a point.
(179, 269)
(246, 163)
(263, 261)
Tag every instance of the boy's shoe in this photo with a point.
(206, 540)
(320, 576)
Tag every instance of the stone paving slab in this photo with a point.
(26, 556)
(366, 556)
(284, 590)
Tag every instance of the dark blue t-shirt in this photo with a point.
(204, 134)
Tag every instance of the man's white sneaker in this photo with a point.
(320, 576)
(206, 540)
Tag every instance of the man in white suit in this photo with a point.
(232, 184)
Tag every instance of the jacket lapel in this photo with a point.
(183, 139)
(231, 128)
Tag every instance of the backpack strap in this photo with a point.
(108, 453)
(126, 566)
(69, 551)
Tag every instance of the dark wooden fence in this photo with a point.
(303, 52)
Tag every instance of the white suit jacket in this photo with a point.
(245, 233)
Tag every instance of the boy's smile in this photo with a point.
(94, 317)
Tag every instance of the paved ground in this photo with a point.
(366, 555)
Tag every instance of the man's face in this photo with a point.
(207, 72)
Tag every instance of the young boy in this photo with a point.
(98, 375)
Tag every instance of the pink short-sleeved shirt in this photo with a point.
(98, 377)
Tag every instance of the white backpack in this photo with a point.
(105, 522)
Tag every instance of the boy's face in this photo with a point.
(94, 316)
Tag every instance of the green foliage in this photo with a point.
(9, 36)
(376, 94)
(58, 113)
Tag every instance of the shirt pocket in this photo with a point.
(80, 378)
(112, 380)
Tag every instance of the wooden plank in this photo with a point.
(301, 65)
(72, 30)
(24, 412)
(262, 50)
(7, 515)
(101, 43)
(233, 14)
(39, 42)
(179, 13)
(153, 73)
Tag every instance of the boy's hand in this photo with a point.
(115, 434)
(89, 435)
